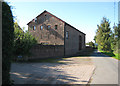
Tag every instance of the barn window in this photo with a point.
(56, 27)
(41, 27)
(48, 27)
(34, 27)
(36, 20)
(67, 35)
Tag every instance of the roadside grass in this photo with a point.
(111, 54)
(117, 56)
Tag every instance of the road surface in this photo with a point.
(106, 71)
(75, 70)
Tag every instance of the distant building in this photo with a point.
(51, 30)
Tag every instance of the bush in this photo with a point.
(23, 42)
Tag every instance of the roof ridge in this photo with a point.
(57, 18)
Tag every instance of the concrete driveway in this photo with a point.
(74, 70)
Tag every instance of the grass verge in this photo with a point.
(111, 54)
(117, 56)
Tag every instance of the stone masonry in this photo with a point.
(51, 30)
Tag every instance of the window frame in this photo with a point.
(34, 28)
(67, 34)
(48, 27)
(41, 27)
(35, 20)
(56, 27)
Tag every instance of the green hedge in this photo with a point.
(7, 42)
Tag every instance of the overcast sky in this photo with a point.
(82, 15)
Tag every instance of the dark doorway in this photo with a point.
(80, 42)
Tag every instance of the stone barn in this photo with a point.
(51, 30)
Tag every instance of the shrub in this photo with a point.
(23, 42)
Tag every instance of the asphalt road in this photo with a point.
(106, 71)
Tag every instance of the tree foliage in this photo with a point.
(107, 39)
(116, 38)
(7, 42)
(23, 41)
(103, 35)
(91, 44)
(117, 32)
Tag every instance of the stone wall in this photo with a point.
(46, 51)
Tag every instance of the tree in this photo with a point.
(94, 39)
(91, 44)
(116, 38)
(23, 41)
(7, 42)
(117, 32)
(103, 35)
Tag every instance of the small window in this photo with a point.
(56, 27)
(67, 35)
(34, 27)
(36, 20)
(49, 27)
(41, 27)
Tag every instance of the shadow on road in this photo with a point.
(42, 73)
(46, 73)
(90, 53)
